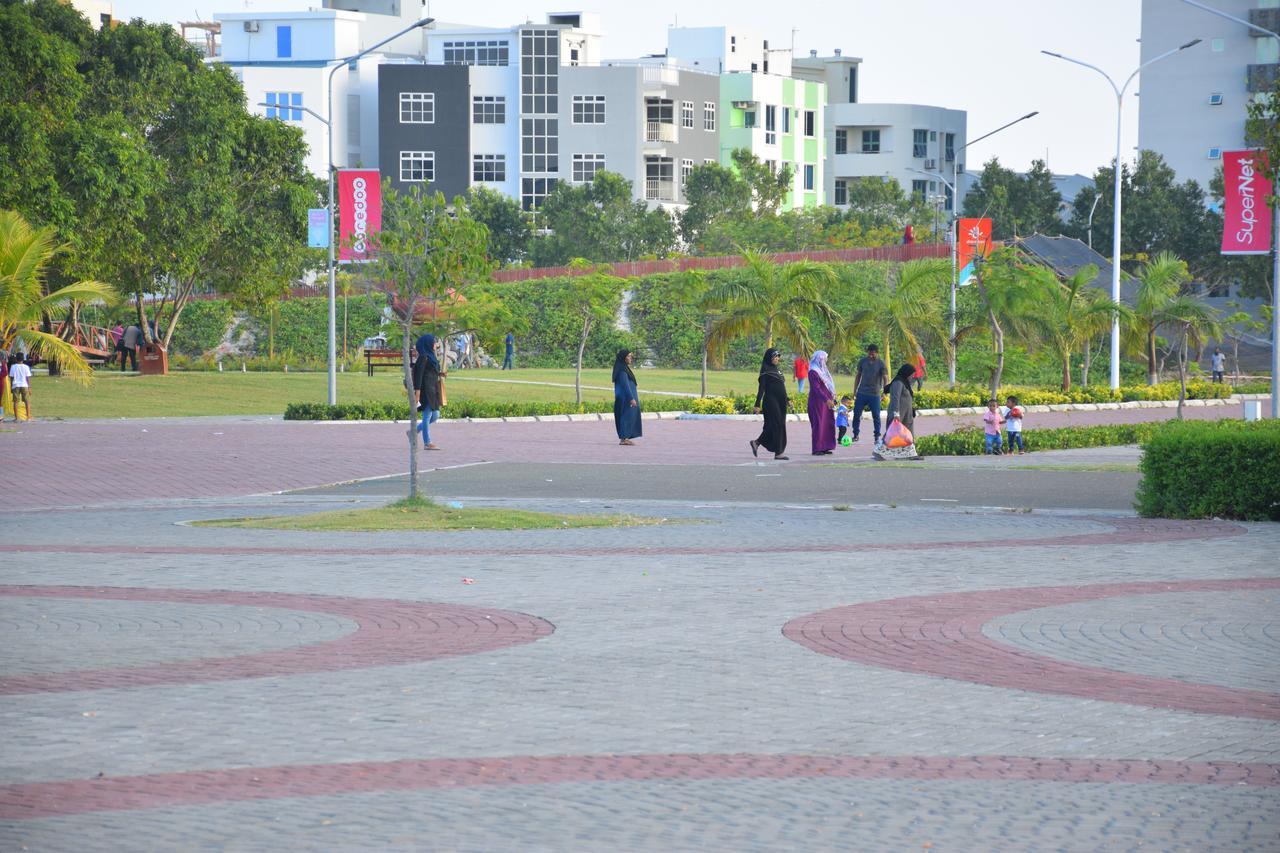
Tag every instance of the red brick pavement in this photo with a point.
(941, 635)
(122, 793)
(74, 463)
(390, 632)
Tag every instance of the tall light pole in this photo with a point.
(1115, 229)
(954, 186)
(333, 297)
(1275, 241)
(1097, 198)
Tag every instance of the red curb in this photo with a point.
(389, 633)
(941, 635)
(125, 793)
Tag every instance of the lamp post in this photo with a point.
(1115, 235)
(1275, 241)
(954, 186)
(1096, 198)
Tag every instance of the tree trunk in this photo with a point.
(582, 345)
(344, 328)
(410, 392)
(1084, 370)
(1182, 373)
(1066, 370)
(271, 332)
(1153, 373)
(768, 333)
(1235, 359)
(706, 340)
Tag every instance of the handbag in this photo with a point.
(440, 385)
(897, 435)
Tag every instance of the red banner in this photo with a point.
(973, 240)
(359, 212)
(1246, 219)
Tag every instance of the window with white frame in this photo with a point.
(476, 53)
(770, 124)
(920, 189)
(842, 142)
(686, 169)
(278, 104)
(919, 143)
(489, 109)
(588, 109)
(786, 119)
(708, 162)
(708, 115)
(540, 144)
(809, 173)
(489, 168)
(417, 166)
(534, 191)
(585, 167)
(871, 141)
(842, 192)
(810, 123)
(949, 146)
(417, 108)
(686, 114)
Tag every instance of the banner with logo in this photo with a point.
(1246, 218)
(973, 240)
(359, 212)
(318, 228)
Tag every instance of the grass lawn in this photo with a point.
(115, 395)
(424, 515)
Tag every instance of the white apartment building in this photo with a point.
(1192, 106)
(99, 12)
(915, 144)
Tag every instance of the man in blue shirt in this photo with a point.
(511, 351)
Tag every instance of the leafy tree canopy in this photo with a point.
(1018, 205)
(599, 221)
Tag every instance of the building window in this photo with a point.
(686, 169)
(1215, 153)
(810, 123)
(920, 143)
(951, 202)
(709, 115)
(476, 53)
(417, 166)
(278, 100)
(573, 56)
(489, 109)
(708, 162)
(949, 146)
(686, 114)
(417, 108)
(809, 172)
(853, 84)
(489, 168)
(920, 189)
(842, 192)
(842, 142)
(540, 144)
(786, 119)
(540, 71)
(534, 191)
(1217, 45)
(871, 142)
(770, 124)
(585, 167)
(749, 118)
(284, 42)
(588, 109)
(772, 166)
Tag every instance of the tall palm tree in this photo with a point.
(773, 300)
(1160, 282)
(25, 253)
(1010, 303)
(909, 312)
(1072, 314)
(1194, 323)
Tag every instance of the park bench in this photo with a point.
(383, 358)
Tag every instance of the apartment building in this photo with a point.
(1192, 106)
(915, 144)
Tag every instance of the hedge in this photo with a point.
(1224, 469)
(968, 441)
(393, 410)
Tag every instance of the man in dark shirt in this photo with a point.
(507, 363)
(868, 384)
(129, 346)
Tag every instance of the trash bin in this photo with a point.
(1253, 410)
(153, 360)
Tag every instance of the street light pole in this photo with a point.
(1097, 197)
(1115, 230)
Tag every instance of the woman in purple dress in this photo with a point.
(822, 404)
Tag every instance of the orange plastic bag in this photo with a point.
(897, 435)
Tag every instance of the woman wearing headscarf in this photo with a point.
(426, 379)
(822, 405)
(772, 400)
(902, 408)
(626, 399)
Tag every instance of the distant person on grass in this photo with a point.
(1012, 414)
(427, 379)
(20, 387)
(991, 422)
(822, 405)
(801, 372)
(130, 342)
(771, 399)
(1218, 363)
(626, 399)
(508, 360)
(868, 384)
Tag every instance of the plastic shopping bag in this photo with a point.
(897, 435)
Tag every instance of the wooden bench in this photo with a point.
(383, 358)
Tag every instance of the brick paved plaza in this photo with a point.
(762, 674)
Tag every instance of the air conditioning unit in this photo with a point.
(930, 165)
(252, 26)
(743, 105)
(1215, 100)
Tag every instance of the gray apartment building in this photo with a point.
(424, 127)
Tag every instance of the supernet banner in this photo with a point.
(1246, 219)
(973, 240)
(359, 212)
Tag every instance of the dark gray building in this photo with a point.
(424, 127)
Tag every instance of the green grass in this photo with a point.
(113, 395)
(421, 514)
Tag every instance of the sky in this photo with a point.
(983, 57)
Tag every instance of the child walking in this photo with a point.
(842, 421)
(991, 422)
(1012, 414)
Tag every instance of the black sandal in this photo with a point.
(755, 448)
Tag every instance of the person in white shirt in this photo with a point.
(1218, 362)
(1012, 414)
(20, 381)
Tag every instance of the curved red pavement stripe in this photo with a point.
(1126, 531)
(390, 632)
(942, 635)
(124, 793)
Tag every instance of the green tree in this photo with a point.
(1017, 204)
(909, 312)
(712, 193)
(768, 187)
(771, 300)
(1072, 314)
(601, 222)
(591, 296)
(1160, 284)
(1194, 323)
(879, 205)
(426, 257)
(509, 228)
(1009, 307)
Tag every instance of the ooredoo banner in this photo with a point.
(973, 239)
(359, 212)
(1246, 219)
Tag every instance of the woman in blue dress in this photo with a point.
(626, 399)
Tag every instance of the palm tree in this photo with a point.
(1072, 314)
(25, 253)
(1010, 306)
(1160, 281)
(1194, 323)
(771, 300)
(909, 312)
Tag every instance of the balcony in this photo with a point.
(1263, 77)
(1267, 19)
(658, 76)
(659, 190)
(659, 132)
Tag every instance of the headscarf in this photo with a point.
(904, 375)
(767, 368)
(426, 347)
(818, 368)
(620, 366)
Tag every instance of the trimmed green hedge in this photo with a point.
(392, 410)
(968, 441)
(1224, 469)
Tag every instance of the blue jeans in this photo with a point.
(991, 443)
(426, 418)
(506, 362)
(1015, 437)
(862, 401)
(799, 385)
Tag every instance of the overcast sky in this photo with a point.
(987, 62)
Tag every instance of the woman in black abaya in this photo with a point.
(772, 400)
